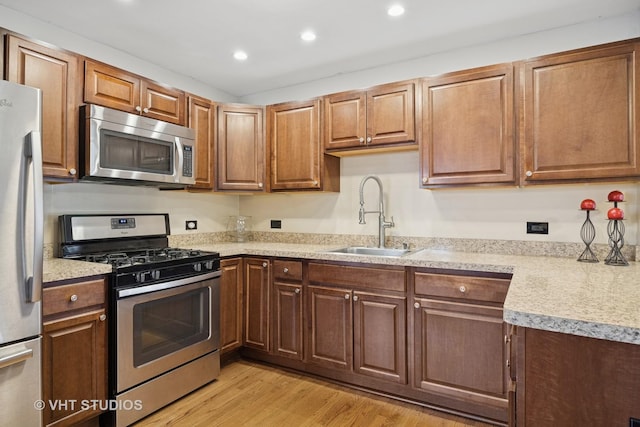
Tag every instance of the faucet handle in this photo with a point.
(389, 224)
(361, 215)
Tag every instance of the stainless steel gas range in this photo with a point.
(163, 309)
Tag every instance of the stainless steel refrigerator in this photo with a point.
(21, 250)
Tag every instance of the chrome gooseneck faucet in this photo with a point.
(382, 222)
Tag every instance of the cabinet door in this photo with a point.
(345, 120)
(460, 352)
(580, 115)
(287, 324)
(467, 134)
(257, 275)
(391, 114)
(74, 366)
(231, 304)
(161, 102)
(379, 336)
(330, 338)
(111, 87)
(293, 131)
(240, 148)
(202, 119)
(55, 73)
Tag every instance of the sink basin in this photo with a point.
(372, 251)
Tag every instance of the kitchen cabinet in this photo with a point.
(296, 158)
(74, 340)
(287, 326)
(468, 128)
(579, 114)
(257, 284)
(357, 320)
(202, 119)
(55, 72)
(240, 148)
(381, 116)
(231, 314)
(460, 342)
(567, 380)
(115, 88)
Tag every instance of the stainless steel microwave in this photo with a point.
(123, 148)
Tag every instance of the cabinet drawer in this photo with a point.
(59, 299)
(360, 277)
(464, 287)
(287, 270)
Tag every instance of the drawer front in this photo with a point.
(359, 277)
(462, 287)
(287, 270)
(59, 299)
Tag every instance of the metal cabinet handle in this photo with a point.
(103, 317)
(315, 183)
(425, 180)
(346, 296)
(368, 139)
(138, 108)
(355, 297)
(73, 298)
(507, 339)
(361, 139)
(264, 264)
(297, 291)
(72, 171)
(285, 270)
(145, 110)
(416, 304)
(463, 289)
(528, 173)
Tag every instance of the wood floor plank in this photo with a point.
(250, 394)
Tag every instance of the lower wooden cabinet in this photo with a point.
(569, 380)
(357, 320)
(231, 284)
(460, 342)
(257, 283)
(287, 312)
(74, 351)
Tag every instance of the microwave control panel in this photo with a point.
(187, 166)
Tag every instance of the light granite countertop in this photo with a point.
(549, 293)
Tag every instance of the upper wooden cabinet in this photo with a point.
(240, 157)
(55, 73)
(467, 128)
(296, 157)
(579, 114)
(377, 117)
(115, 88)
(202, 119)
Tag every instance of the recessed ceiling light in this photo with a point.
(240, 55)
(308, 36)
(395, 10)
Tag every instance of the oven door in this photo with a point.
(158, 330)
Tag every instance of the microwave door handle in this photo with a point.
(180, 152)
(33, 275)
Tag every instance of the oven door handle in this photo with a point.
(138, 290)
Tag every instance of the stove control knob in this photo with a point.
(155, 274)
(197, 266)
(208, 265)
(141, 276)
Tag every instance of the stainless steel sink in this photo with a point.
(373, 251)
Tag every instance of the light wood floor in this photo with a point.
(250, 394)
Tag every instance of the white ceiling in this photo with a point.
(197, 38)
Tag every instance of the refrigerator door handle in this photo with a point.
(15, 358)
(33, 283)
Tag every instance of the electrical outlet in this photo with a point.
(276, 223)
(191, 224)
(537, 227)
